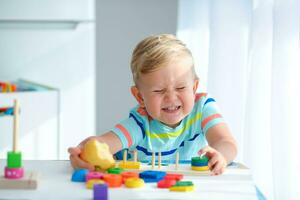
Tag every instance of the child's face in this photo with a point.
(168, 94)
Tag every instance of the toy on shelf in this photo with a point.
(7, 87)
(14, 175)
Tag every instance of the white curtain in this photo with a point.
(247, 55)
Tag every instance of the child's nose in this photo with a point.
(170, 96)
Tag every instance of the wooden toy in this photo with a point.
(90, 183)
(113, 180)
(126, 175)
(100, 192)
(153, 160)
(129, 164)
(182, 186)
(200, 163)
(115, 170)
(176, 177)
(177, 160)
(28, 181)
(159, 160)
(184, 169)
(166, 183)
(151, 176)
(134, 182)
(94, 175)
(79, 175)
(97, 154)
(182, 189)
(14, 174)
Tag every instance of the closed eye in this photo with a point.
(158, 91)
(180, 88)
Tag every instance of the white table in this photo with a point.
(55, 183)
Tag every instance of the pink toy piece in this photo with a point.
(14, 173)
(94, 175)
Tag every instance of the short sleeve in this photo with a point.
(128, 131)
(211, 115)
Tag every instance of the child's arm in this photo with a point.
(222, 148)
(109, 138)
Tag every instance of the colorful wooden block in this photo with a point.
(203, 168)
(94, 175)
(100, 192)
(126, 175)
(13, 173)
(176, 177)
(199, 164)
(198, 159)
(113, 180)
(134, 182)
(90, 183)
(181, 188)
(115, 170)
(166, 183)
(28, 181)
(150, 176)
(184, 183)
(14, 159)
(130, 165)
(79, 175)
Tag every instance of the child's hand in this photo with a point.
(76, 161)
(217, 162)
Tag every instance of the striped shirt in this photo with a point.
(146, 135)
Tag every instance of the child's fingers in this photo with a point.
(218, 168)
(77, 163)
(212, 161)
(74, 150)
(207, 150)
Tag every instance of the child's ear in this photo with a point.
(195, 87)
(137, 95)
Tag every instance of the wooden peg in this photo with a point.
(124, 155)
(135, 156)
(177, 160)
(16, 126)
(159, 160)
(153, 160)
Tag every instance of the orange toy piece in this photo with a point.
(113, 180)
(126, 175)
(97, 154)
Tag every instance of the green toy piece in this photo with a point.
(14, 159)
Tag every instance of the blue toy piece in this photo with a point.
(79, 175)
(199, 164)
(152, 176)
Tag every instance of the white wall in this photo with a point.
(120, 25)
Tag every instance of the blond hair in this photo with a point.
(155, 51)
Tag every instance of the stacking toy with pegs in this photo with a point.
(14, 175)
(14, 169)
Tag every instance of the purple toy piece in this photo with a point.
(100, 192)
(13, 173)
(94, 175)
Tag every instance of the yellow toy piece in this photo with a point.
(134, 182)
(130, 165)
(91, 182)
(182, 188)
(202, 168)
(97, 154)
